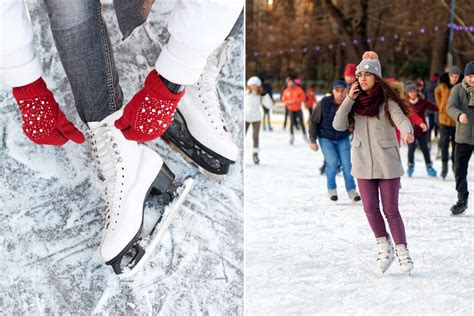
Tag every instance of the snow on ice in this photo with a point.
(307, 255)
(52, 212)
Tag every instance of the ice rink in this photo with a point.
(307, 255)
(53, 213)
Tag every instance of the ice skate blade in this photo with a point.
(207, 173)
(158, 235)
(217, 177)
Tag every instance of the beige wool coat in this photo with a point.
(375, 153)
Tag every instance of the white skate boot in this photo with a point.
(406, 264)
(130, 172)
(353, 195)
(198, 130)
(386, 253)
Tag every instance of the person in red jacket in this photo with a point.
(293, 96)
(311, 99)
(419, 106)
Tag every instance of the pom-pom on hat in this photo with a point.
(370, 63)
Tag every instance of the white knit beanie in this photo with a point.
(370, 63)
(254, 80)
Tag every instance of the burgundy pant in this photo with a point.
(369, 191)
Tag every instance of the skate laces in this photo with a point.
(108, 156)
(207, 89)
(403, 255)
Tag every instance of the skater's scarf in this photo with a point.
(369, 105)
(469, 90)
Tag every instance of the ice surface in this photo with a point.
(306, 255)
(52, 212)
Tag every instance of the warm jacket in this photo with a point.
(192, 38)
(321, 121)
(292, 98)
(442, 92)
(253, 103)
(421, 106)
(458, 104)
(310, 99)
(375, 153)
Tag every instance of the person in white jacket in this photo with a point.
(129, 169)
(253, 102)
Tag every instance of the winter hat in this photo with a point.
(298, 82)
(370, 63)
(254, 81)
(410, 86)
(469, 70)
(454, 70)
(338, 84)
(350, 70)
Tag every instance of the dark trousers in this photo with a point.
(297, 115)
(422, 141)
(266, 117)
(256, 129)
(446, 136)
(462, 155)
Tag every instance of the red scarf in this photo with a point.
(369, 105)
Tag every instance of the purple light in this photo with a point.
(354, 42)
(318, 48)
(395, 36)
(369, 41)
(269, 54)
(255, 54)
(422, 30)
(305, 50)
(292, 50)
(330, 46)
(436, 28)
(382, 38)
(450, 25)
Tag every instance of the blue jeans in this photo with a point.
(337, 152)
(85, 50)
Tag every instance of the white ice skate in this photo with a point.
(406, 264)
(130, 171)
(332, 195)
(198, 130)
(354, 196)
(386, 253)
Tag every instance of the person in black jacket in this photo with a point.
(335, 145)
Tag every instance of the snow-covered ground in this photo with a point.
(307, 255)
(52, 212)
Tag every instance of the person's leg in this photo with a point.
(389, 189)
(369, 192)
(292, 121)
(286, 117)
(300, 117)
(256, 131)
(84, 48)
(444, 143)
(330, 155)
(423, 141)
(411, 154)
(344, 153)
(247, 124)
(462, 156)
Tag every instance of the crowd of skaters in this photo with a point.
(367, 116)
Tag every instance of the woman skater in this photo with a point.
(372, 109)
